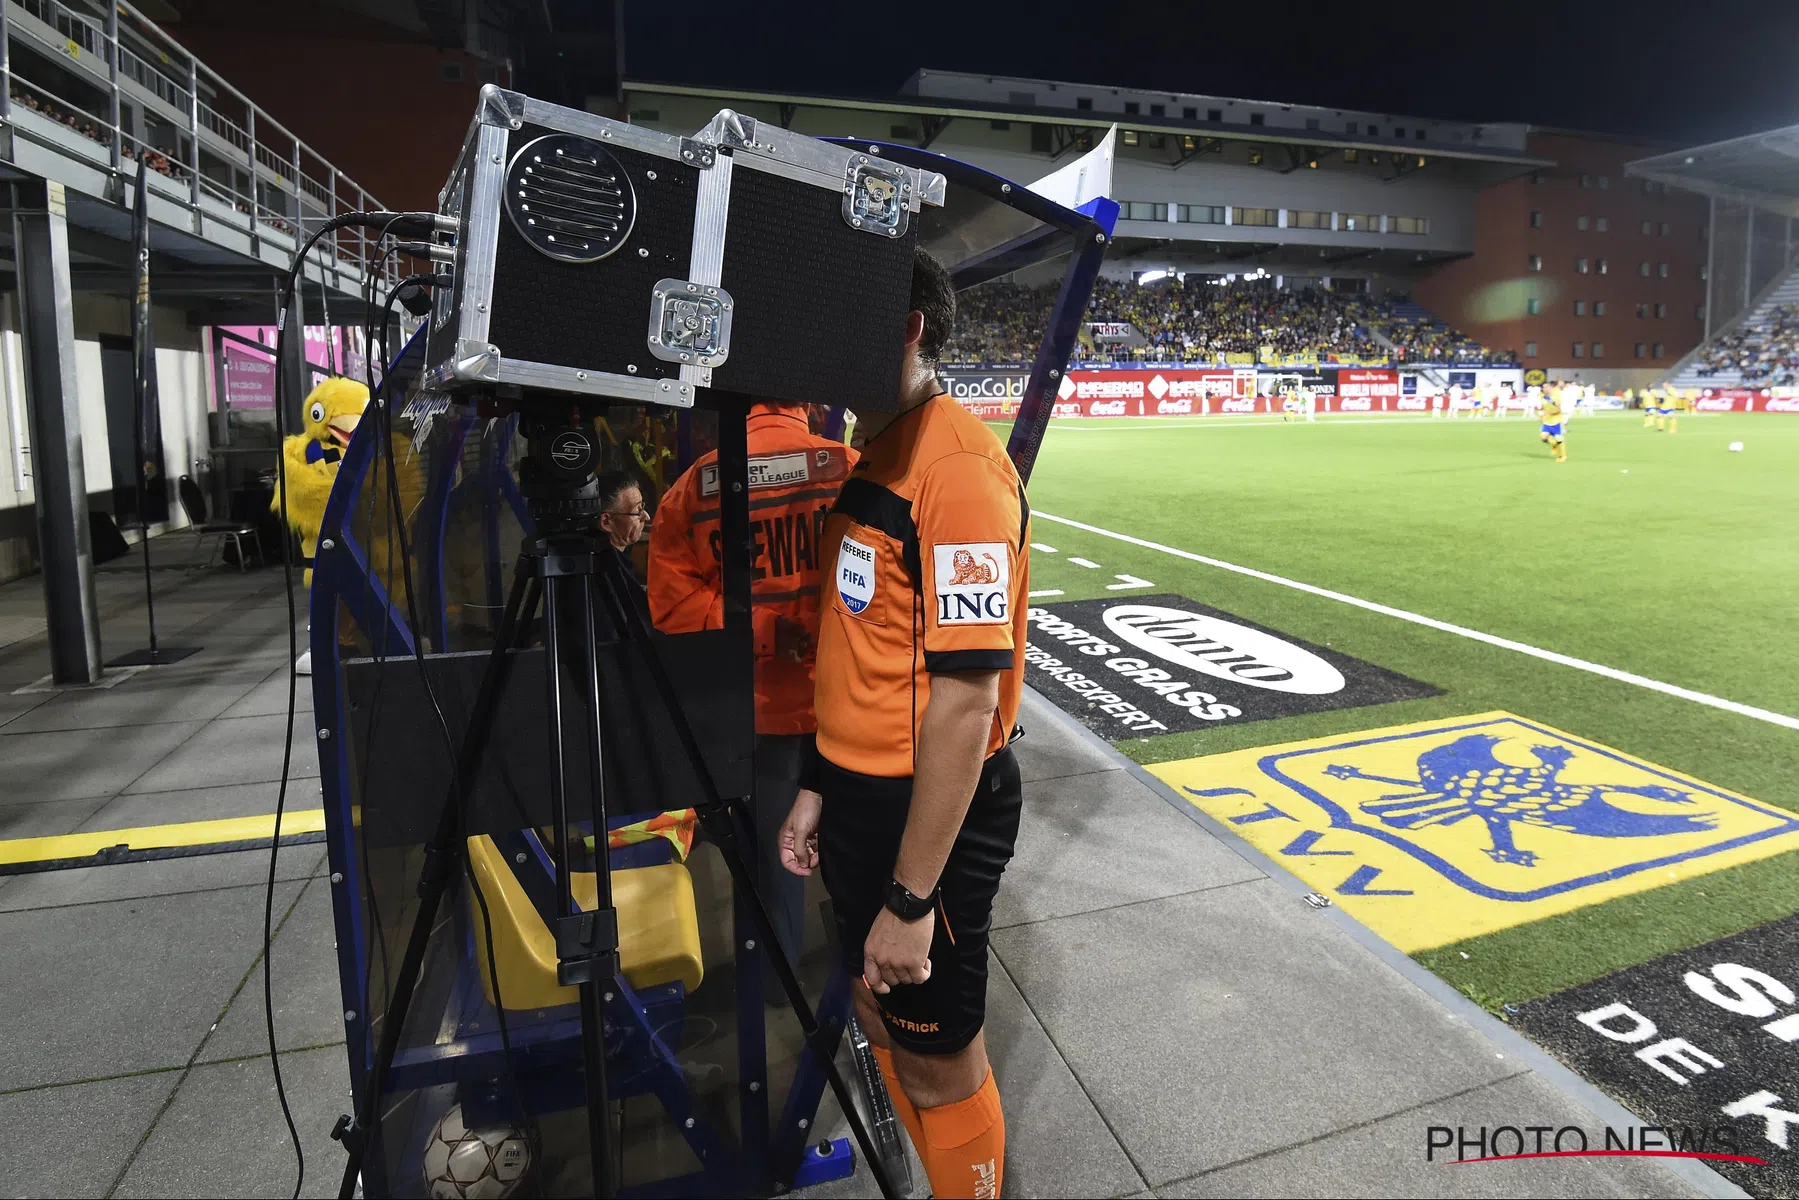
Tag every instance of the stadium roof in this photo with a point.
(1761, 169)
(942, 111)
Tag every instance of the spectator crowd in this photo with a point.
(1200, 319)
(1761, 354)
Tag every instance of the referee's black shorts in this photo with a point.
(858, 841)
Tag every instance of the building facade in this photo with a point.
(1585, 273)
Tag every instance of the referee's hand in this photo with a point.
(799, 833)
(897, 952)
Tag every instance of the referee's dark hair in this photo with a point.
(935, 296)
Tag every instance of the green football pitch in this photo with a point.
(1663, 556)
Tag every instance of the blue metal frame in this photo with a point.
(546, 1046)
(1084, 233)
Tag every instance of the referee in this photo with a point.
(911, 804)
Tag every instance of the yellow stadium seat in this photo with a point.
(658, 929)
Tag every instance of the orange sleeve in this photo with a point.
(684, 588)
(969, 518)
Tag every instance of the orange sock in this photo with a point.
(964, 1147)
(902, 1104)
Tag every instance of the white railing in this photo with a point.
(237, 164)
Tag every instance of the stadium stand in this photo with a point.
(1418, 336)
(1201, 319)
(1761, 351)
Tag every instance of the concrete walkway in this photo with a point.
(1167, 1016)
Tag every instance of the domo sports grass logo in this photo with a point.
(1223, 649)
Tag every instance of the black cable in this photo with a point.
(423, 224)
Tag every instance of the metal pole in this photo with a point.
(1748, 256)
(255, 192)
(193, 133)
(46, 313)
(5, 65)
(1711, 250)
(112, 75)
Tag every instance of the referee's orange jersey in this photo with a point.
(929, 553)
(794, 476)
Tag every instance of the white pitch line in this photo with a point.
(1130, 583)
(1082, 562)
(1046, 592)
(1579, 664)
(1042, 549)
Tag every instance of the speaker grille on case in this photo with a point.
(569, 198)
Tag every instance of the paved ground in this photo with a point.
(1168, 1016)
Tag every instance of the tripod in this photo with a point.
(583, 587)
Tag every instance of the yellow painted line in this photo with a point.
(161, 837)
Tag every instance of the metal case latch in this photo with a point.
(877, 198)
(690, 323)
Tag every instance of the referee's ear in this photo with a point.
(914, 329)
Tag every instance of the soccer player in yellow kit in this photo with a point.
(1680, 404)
(1652, 405)
(1551, 429)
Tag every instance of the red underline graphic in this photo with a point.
(1740, 1158)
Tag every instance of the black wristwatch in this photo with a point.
(907, 907)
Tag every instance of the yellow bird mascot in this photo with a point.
(310, 461)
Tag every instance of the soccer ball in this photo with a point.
(1736, 447)
(474, 1164)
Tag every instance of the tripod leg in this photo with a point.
(720, 821)
(442, 864)
(593, 1053)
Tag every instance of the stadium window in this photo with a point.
(1599, 308)
(1643, 268)
(1604, 184)
(1642, 311)
(1580, 266)
(1664, 229)
(1580, 349)
(1418, 134)
(1305, 219)
(1349, 128)
(1661, 269)
(1599, 347)
(1140, 210)
(1657, 351)
(1358, 222)
(1641, 350)
(1130, 137)
(1351, 154)
(1661, 310)
(1157, 141)
(1202, 214)
(1536, 262)
(1255, 216)
(1158, 110)
(1602, 225)
(1698, 312)
(1022, 99)
(999, 126)
(1702, 272)
(1374, 157)
(1132, 108)
(1398, 131)
(1586, 181)
(1580, 223)
(1255, 156)
(1409, 224)
(1536, 177)
(1648, 228)
(1603, 266)
(1214, 114)
(1530, 349)
(1311, 122)
(1084, 103)
(1533, 307)
(1040, 139)
(1257, 119)
(1189, 113)
(1536, 220)
(1580, 308)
